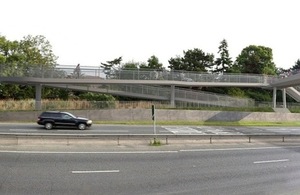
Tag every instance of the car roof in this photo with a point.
(57, 112)
(50, 112)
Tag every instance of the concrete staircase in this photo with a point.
(294, 93)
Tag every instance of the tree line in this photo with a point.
(37, 51)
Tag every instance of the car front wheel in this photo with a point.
(81, 126)
(48, 126)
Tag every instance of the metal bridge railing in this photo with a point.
(136, 74)
(144, 90)
(208, 98)
(181, 94)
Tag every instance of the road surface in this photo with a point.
(148, 129)
(224, 170)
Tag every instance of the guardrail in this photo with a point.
(113, 139)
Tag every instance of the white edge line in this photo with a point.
(120, 152)
(144, 152)
(233, 149)
(271, 161)
(114, 131)
(23, 130)
(105, 171)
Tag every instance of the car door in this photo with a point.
(67, 120)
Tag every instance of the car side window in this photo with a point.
(45, 114)
(55, 115)
(65, 116)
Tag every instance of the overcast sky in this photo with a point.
(93, 31)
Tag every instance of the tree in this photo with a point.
(176, 63)
(296, 68)
(256, 60)
(154, 64)
(32, 51)
(37, 50)
(24, 57)
(224, 62)
(127, 70)
(9, 51)
(193, 60)
(3, 49)
(110, 66)
(297, 65)
(132, 65)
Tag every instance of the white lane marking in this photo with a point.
(164, 131)
(146, 152)
(104, 171)
(279, 130)
(294, 129)
(271, 161)
(96, 130)
(181, 130)
(120, 131)
(68, 130)
(120, 152)
(233, 149)
(23, 129)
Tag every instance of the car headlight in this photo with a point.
(89, 122)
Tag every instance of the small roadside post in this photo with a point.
(154, 119)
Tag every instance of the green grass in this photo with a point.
(155, 142)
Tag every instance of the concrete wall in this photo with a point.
(161, 115)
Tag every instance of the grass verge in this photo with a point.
(155, 142)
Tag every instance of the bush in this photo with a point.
(156, 142)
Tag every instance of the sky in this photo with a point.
(93, 31)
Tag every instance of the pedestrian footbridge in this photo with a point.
(173, 86)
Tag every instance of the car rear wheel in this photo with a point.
(48, 126)
(81, 126)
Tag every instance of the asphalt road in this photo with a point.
(148, 129)
(256, 170)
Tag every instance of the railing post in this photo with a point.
(274, 96)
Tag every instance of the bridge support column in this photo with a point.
(38, 97)
(274, 97)
(172, 98)
(284, 97)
